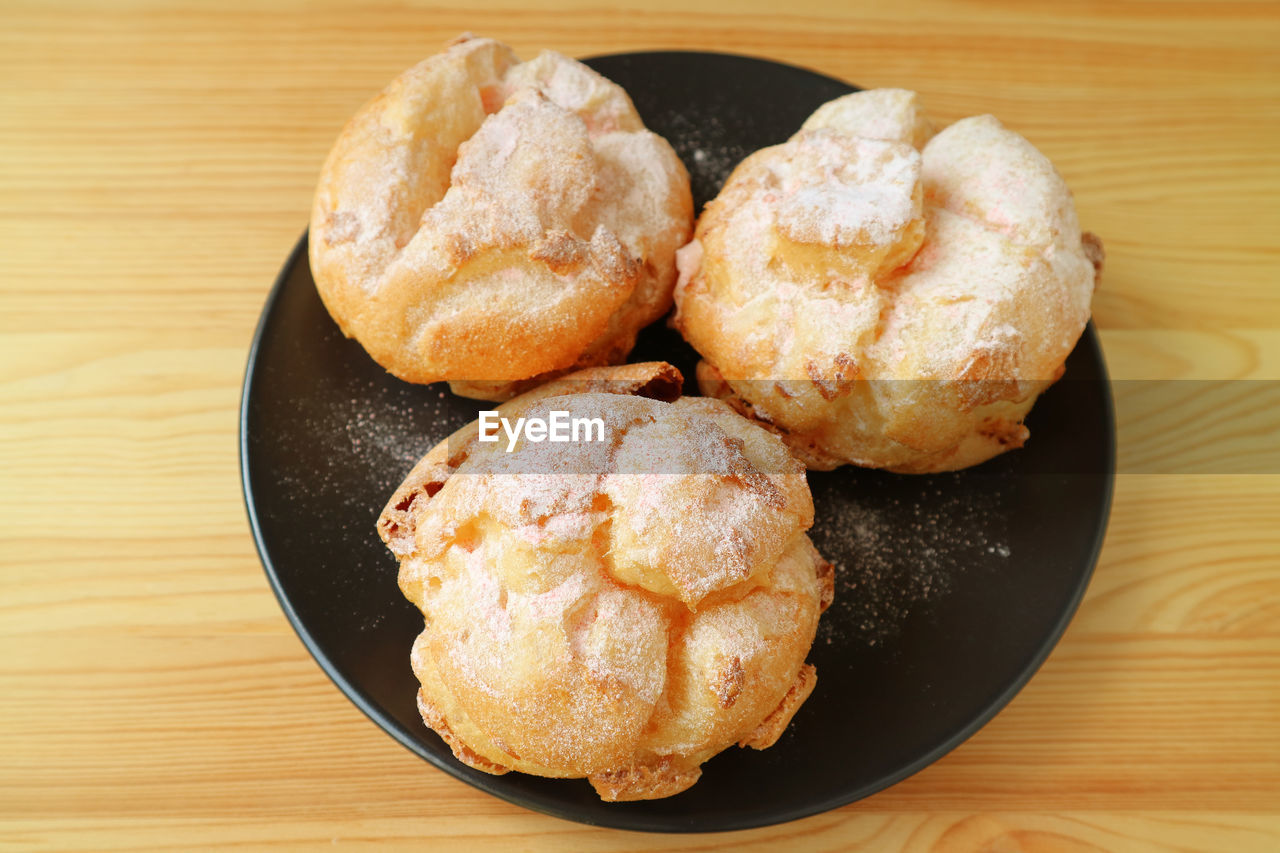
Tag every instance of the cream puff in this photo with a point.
(882, 296)
(492, 222)
(622, 609)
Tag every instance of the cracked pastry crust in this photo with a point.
(493, 222)
(882, 296)
(619, 610)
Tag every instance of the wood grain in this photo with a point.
(156, 165)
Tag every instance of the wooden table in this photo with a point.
(156, 166)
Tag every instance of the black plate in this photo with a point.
(953, 589)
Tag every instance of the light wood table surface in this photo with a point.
(156, 166)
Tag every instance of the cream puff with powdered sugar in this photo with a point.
(882, 296)
(492, 222)
(620, 610)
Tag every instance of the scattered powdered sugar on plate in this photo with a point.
(384, 437)
(362, 436)
(390, 443)
(702, 143)
(899, 545)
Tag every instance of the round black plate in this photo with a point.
(953, 588)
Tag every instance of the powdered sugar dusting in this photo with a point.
(845, 191)
(707, 149)
(361, 439)
(898, 555)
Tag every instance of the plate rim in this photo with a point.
(627, 820)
